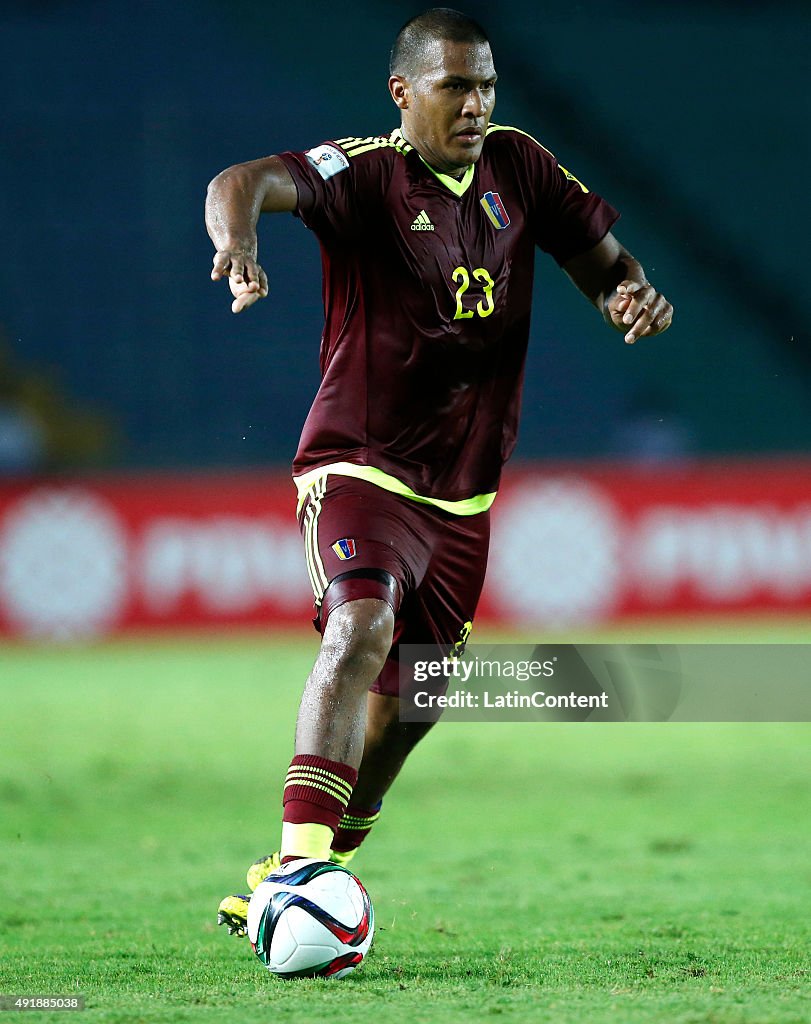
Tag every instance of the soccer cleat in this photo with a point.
(233, 912)
(260, 869)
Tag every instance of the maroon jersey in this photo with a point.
(427, 295)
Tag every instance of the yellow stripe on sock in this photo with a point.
(341, 795)
(324, 787)
(349, 821)
(314, 770)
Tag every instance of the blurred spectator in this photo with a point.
(41, 429)
(22, 441)
(652, 429)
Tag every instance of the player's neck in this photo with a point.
(456, 172)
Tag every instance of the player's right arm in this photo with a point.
(234, 201)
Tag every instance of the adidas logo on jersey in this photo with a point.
(422, 222)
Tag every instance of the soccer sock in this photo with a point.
(316, 794)
(352, 830)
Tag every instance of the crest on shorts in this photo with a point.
(344, 548)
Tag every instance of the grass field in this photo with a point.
(526, 872)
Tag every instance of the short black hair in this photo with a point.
(439, 23)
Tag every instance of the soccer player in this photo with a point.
(428, 236)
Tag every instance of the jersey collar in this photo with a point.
(456, 185)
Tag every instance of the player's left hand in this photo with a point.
(639, 310)
(245, 293)
(246, 279)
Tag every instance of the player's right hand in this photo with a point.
(246, 279)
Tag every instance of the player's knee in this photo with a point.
(358, 636)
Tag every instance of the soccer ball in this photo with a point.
(311, 918)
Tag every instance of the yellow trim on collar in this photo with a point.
(457, 185)
(511, 128)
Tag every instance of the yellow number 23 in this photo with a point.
(484, 307)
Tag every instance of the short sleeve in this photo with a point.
(568, 218)
(325, 179)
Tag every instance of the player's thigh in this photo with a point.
(444, 606)
(358, 538)
(436, 617)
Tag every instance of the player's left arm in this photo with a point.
(610, 278)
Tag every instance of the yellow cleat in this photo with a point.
(233, 912)
(260, 869)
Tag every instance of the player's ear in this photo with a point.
(398, 87)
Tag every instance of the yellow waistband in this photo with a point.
(466, 507)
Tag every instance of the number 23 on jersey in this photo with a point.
(484, 307)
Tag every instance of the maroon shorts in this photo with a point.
(360, 532)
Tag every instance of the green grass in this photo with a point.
(521, 872)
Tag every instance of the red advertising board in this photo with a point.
(571, 545)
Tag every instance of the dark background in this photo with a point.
(691, 118)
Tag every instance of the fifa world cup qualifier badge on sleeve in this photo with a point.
(327, 160)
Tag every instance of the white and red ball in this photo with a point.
(311, 918)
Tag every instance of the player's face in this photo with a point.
(448, 103)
